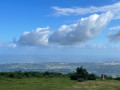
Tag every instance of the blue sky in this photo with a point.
(60, 28)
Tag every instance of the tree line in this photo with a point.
(29, 74)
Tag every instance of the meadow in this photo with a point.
(57, 83)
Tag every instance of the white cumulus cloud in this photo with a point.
(114, 8)
(36, 37)
(84, 30)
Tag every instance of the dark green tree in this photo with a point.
(81, 73)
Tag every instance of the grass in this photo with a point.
(57, 84)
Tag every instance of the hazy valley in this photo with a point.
(108, 68)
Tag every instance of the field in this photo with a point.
(57, 84)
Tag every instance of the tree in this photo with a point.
(81, 73)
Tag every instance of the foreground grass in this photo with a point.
(57, 84)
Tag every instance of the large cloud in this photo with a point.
(114, 37)
(115, 8)
(84, 30)
(36, 37)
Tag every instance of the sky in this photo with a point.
(59, 30)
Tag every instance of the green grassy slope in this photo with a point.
(57, 84)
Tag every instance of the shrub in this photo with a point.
(92, 77)
(46, 73)
(28, 74)
(117, 78)
(108, 77)
(73, 76)
(80, 80)
(82, 73)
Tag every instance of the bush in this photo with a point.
(80, 80)
(117, 78)
(46, 73)
(82, 73)
(73, 76)
(108, 77)
(20, 74)
(92, 77)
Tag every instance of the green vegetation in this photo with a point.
(20, 74)
(57, 83)
(82, 74)
(79, 80)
